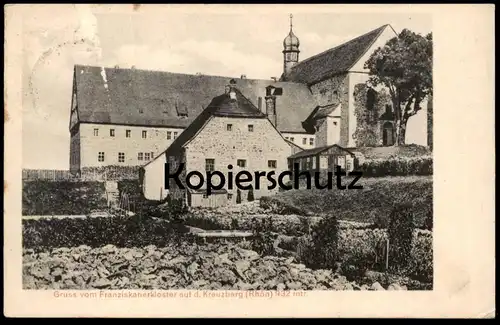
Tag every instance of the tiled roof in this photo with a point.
(319, 113)
(222, 105)
(333, 61)
(154, 98)
(315, 151)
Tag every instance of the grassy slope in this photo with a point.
(377, 198)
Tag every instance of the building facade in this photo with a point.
(320, 101)
(230, 136)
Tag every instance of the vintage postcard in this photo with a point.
(174, 160)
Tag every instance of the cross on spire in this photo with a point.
(291, 17)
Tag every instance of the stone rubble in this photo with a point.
(203, 267)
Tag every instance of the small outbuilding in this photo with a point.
(323, 158)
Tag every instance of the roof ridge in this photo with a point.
(342, 44)
(181, 73)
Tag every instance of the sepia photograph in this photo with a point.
(100, 211)
(244, 154)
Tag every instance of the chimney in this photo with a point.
(117, 66)
(271, 94)
(271, 108)
(259, 104)
(243, 76)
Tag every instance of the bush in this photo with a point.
(403, 166)
(110, 172)
(323, 251)
(429, 220)
(137, 231)
(42, 197)
(138, 202)
(400, 233)
(263, 241)
(173, 210)
(421, 262)
(281, 205)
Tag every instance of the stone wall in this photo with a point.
(333, 91)
(368, 131)
(226, 147)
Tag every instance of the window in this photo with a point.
(175, 135)
(311, 141)
(127, 133)
(271, 163)
(111, 132)
(209, 165)
(250, 128)
(100, 157)
(388, 109)
(144, 134)
(241, 163)
(152, 155)
(335, 123)
(169, 135)
(229, 196)
(96, 132)
(291, 139)
(140, 156)
(121, 157)
(147, 156)
(304, 140)
(205, 196)
(229, 127)
(287, 138)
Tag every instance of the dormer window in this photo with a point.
(181, 109)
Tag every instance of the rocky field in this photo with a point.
(204, 267)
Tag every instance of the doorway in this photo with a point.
(388, 134)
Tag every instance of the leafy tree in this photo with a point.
(404, 66)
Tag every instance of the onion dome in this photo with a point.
(291, 42)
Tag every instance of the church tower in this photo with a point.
(290, 50)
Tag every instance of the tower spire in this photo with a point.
(290, 49)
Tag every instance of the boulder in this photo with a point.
(377, 286)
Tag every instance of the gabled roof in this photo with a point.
(333, 61)
(222, 105)
(315, 151)
(319, 113)
(155, 98)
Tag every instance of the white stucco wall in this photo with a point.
(154, 178)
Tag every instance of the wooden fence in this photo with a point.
(87, 174)
(46, 174)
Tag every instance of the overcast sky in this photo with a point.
(215, 42)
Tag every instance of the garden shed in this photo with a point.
(323, 158)
(199, 198)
